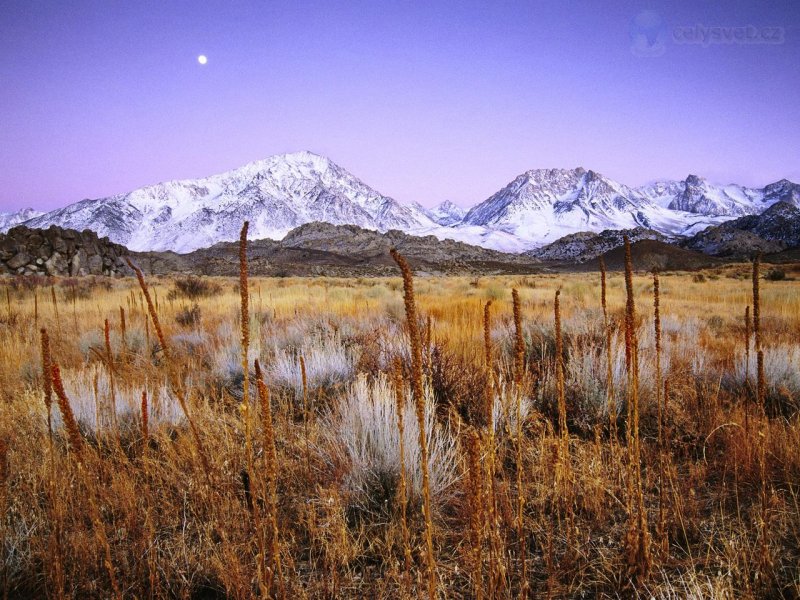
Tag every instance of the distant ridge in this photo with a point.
(285, 191)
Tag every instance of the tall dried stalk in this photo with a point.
(244, 294)
(123, 327)
(110, 368)
(172, 373)
(490, 492)
(519, 340)
(47, 381)
(244, 318)
(36, 307)
(55, 307)
(747, 335)
(564, 465)
(400, 402)
(519, 373)
(487, 335)
(306, 416)
(270, 458)
(610, 394)
(765, 562)
(562, 403)
(145, 420)
(661, 413)
(761, 383)
(638, 537)
(428, 347)
(419, 400)
(70, 423)
(476, 504)
(100, 534)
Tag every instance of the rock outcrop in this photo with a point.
(60, 252)
(775, 230)
(585, 246)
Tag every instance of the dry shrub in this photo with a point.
(194, 288)
(456, 383)
(189, 317)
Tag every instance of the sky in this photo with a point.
(423, 101)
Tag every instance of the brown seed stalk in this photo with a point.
(638, 537)
(47, 380)
(145, 419)
(400, 401)
(610, 394)
(419, 401)
(110, 367)
(171, 370)
(70, 423)
(519, 340)
(270, 458)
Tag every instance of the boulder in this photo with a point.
(94, 264)
(76, 266)
(56, 265)
(19, 260)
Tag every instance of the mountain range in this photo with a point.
(286, 191)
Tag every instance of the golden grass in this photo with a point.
(715, 481)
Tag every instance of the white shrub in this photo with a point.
(781, 370)
(365, 426)
(504, 409)
(328, 362)
(89, 393)
(226, 357)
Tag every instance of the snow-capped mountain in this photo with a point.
(8, 220)
(275, 195)
(543, 205)
(445, 214)
(285, 191)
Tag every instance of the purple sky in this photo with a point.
(424, 101)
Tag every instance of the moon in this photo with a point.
(202, 59)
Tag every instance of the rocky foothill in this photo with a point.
(60, 252)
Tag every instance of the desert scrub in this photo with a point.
(193, 288)
(728, 487)
(781, 367)
(89, 393)
(225, 355)
(91, 344)
(364, 428)
(189, 317)
(328, 363)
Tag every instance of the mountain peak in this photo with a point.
(694, 180)
(281, 192)
(9, 220)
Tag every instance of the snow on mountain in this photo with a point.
(276, 195)
(700, 197)
(543, 205)
(445, 213)
(284, 191)
(9, 220)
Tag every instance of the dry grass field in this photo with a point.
(466, 453)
